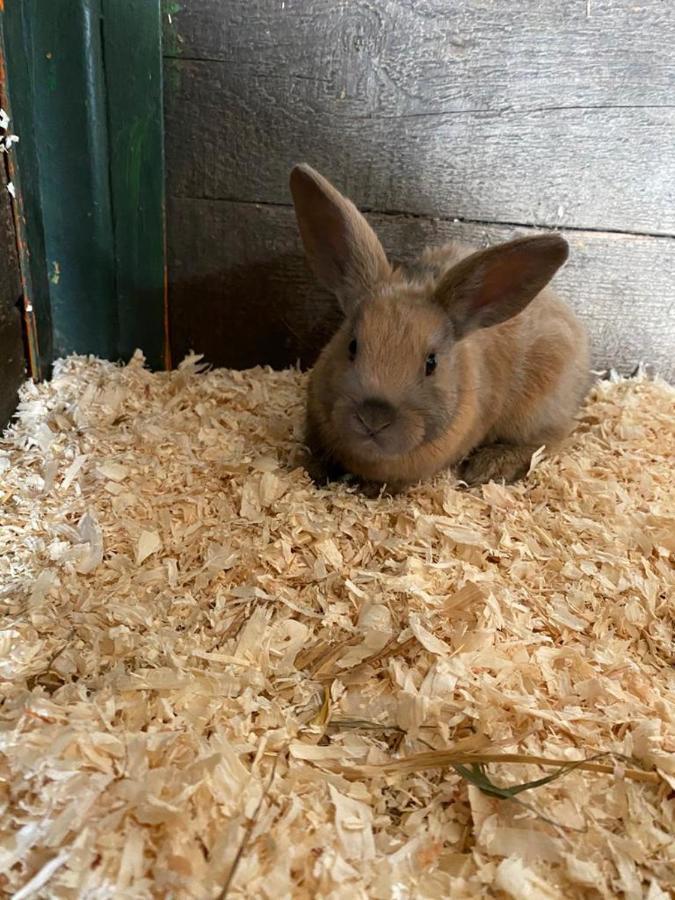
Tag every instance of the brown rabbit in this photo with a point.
(472, 353)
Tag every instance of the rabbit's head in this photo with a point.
(389, 378)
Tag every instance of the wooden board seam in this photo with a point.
(461, 220)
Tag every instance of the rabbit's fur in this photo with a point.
(470, 360)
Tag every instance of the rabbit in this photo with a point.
(470, 362)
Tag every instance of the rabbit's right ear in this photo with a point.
(341, 247)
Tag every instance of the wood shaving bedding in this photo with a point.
(212, 672)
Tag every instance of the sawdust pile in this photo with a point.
(205, 660)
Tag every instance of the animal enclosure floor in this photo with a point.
(218, 680)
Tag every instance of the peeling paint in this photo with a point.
(6, 139)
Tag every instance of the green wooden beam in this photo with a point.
(84, 80)
(69, 122)
(133, 66)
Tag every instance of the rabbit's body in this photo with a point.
(422, 373)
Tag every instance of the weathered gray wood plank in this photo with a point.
(546, 112)
(12, 362)
(431, 55)
(528, 113)
(240, 291)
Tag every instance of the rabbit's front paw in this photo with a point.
(496, 462)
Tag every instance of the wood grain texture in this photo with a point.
(241, 293)
(530, 53)
(12, 361)
(532, 113)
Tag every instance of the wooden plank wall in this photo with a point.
(471, 119)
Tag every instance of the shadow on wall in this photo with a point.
(259, 312)
(240, 290)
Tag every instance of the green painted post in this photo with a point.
(133, 66)
(84, 81)
(69, 114)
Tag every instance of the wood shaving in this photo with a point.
(211, 669)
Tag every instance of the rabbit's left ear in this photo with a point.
(491, 286)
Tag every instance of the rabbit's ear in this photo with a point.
(341, 247)
(493, 285)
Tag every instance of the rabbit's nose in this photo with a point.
(375, 415)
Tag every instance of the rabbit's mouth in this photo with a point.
(375, 430)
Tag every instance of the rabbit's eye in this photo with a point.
(431, 364)
(352, 349)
